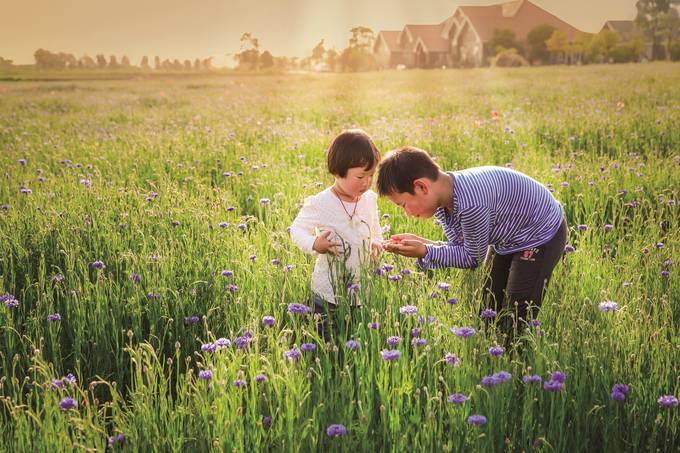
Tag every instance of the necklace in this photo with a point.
(354, 211)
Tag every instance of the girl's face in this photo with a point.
(357, 181)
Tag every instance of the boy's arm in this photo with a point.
(476, 226)
(302, 230)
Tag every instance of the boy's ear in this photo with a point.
(421, 185)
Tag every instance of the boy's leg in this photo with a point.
(498, 268)
(530, 272)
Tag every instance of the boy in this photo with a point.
(477, 208)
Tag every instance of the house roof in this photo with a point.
(429, 35)
(390, 38)
(520, 16)
(622, 26)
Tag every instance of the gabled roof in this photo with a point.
(429, 35)
(520, 16)
(390, 38)
(622, 26)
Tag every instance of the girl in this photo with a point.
(340, 224)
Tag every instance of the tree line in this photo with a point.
(45, 59)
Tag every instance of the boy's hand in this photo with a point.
(406, 247)
(323, 245)
(409, 237)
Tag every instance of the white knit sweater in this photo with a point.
(324, 211)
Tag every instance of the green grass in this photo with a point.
(135, 359)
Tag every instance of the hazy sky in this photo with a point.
(200, 28)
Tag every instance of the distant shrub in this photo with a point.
(509, 58)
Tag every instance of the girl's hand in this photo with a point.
(323, 245)
(376, 248)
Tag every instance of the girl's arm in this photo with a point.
(302, 230)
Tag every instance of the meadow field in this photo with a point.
(148, 278)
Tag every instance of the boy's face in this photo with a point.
(357, 181)
(420, 203)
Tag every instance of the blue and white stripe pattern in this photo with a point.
(493, 206)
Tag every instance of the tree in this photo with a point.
(248, 57)
(144, 64)
(358, 55)
(187, 65)
(318, 51)
(5, 64)
(602, 45)
(332, 59)
(669, 24)
(557, 45)
(536, 41)
(650, 18)
(125, 62)
(502, 40)
(113, 62)
(86, 62)
(157, 62)
(101, 61)
(197, 64)
(207, 64)
(266, 60)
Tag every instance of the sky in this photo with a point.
(189, 29)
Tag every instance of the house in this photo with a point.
(625, 28)
(387, 51)
(463, 38)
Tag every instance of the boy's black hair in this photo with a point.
(401, 167)
(351, 148)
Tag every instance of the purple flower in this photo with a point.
(552, 386)
(22, 161)
(443, 286)
(618, 396)
(490, 381)
(352, 345)
(608, 227)
(387, 267)
(98, 265)
(390, 355)
(457, 398)
(463, 332)
(306, 347)
(227, 273)
(667, 401)
(415, 332)
(488, 314)
(191, 320)
(153, 295)
(452, 359)
(374, 325)
(620, 388)
(58, 278)
(252, 257)
(535, 323)
(223, 224)
(118, 440)
(240, 383)
(135, 277)
(264, 201)
(452, 301)
(394, 278)
(582, 227)
(68, 403)
(558, 376)
(222, 343)
(503, 376)
(242, 342)
(476, 420)
(276, 262)
(260, 378)
(665, 273)
(419, 342)
(292, 354)
(205, 375)
(496, 350)
(393, 341)
(54, 317)
(298, 309)
(266, 421)
(405, 272)
(408, 310)
(209, 347)
(569, 248)
(336, 430)
(231, 288)
(608, 305)
(531, 379)
(9, 300)
(268, 321)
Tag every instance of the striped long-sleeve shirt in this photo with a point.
(492, 206)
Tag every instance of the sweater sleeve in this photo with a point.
(476, 226)
(302, 230)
